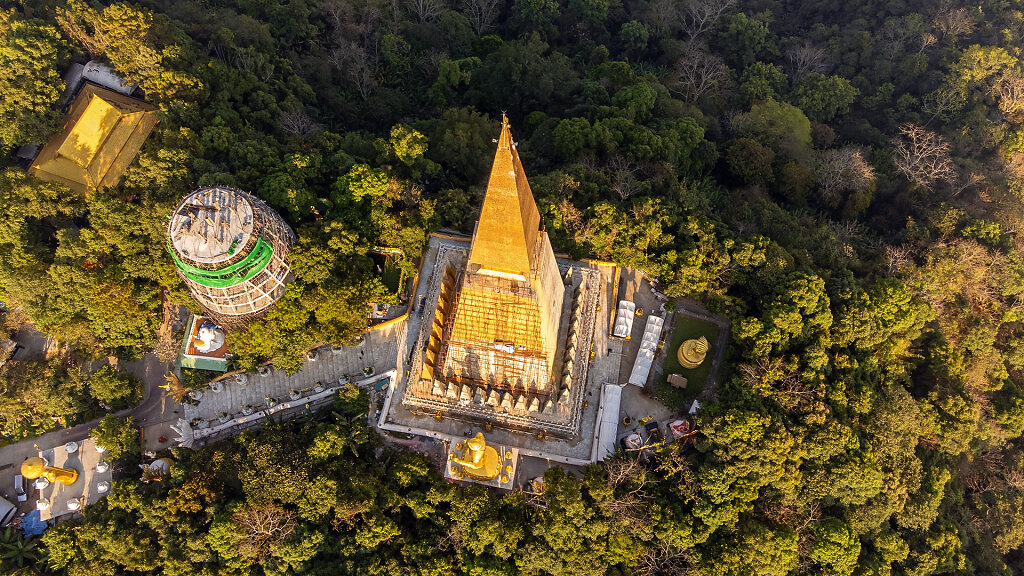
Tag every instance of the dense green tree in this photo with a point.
(113, 389)
(568, 538)
(754, 549)
(749, 162)
(125, 35)
(835, 546)
(635, 35)
(118, 436)
(823, 98)
(39, 396)
(30, 53)
(761, 81)
(361, 181)
(539, 14)
(777, 125)
(867, 412)
(744, 38)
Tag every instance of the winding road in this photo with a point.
(152, 413)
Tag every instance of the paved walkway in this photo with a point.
(151, 410)
(378, 350)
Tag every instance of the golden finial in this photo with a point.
(702, 345)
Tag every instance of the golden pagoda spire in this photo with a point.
(505, 239)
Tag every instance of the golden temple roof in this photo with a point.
(501, 328)
(102, 134)
(505, 240)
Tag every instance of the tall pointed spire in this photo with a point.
(500, 327)
(506, 235)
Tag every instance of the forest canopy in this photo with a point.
(843, 180)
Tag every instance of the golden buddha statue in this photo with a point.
(474, 459)
(692, 352)
(35, 467)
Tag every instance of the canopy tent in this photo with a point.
(648, 347)
(624, 319)
(608, 427)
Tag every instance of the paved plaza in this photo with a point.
(93, 480)
(237, 401)
(233, 395)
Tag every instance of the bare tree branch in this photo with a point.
(897, 259)
(805, 59)
(660, 558)
(481, 14)
(926, 41)
(624, 180)
(702, 15)
(77, 24)
(663, 17)
(922, 156)
(953, 22)
(298, 123)
(697, 74)
(973, 179)
(841, 172)
(263, 528)
(353, 61)
(942, 100)
(1008, 90)
(771, 378)
(427, 10)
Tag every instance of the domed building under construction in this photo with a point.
(231, 250)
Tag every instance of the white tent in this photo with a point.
(645, 356)
(608, 428)
(7, 511)
(624, 319)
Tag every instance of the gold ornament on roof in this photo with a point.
(692, 352)
(474, 459)
(35, 467)
(175, 389)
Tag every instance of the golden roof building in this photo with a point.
(509, 341)
(102, 134)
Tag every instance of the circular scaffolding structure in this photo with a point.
(231, 250)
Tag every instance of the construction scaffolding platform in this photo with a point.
(458, 367)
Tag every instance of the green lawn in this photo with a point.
(392, 275)
(697, 378)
